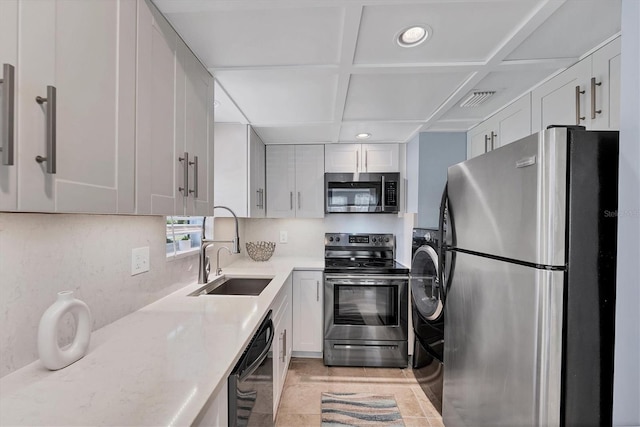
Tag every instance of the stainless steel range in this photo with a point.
(366, 301)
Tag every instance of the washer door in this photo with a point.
(425, 288)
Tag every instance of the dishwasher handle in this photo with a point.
(267, 325)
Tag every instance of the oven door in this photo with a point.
(359, 307)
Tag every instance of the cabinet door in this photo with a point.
(95, 105)
(8, 96)
(513, 122)
(156, 156)
(257, 202)
(309, 179)
(604, 107)
(380, 158)
(231, 168)
(558, 102)
(479, 139)
(308, 311)
(198, 113)
(342, 158)
(281, 177)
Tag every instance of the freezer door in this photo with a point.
(511, 202)
(503, 341)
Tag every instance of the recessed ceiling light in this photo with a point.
(413, 36)
(216, 103)
(363, 135)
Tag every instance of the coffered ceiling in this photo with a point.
(321, 71)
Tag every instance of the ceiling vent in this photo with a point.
(476, 99)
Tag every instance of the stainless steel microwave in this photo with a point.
(361, 192)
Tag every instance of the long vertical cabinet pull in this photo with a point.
(382, 195)
(493, 138)
(366, 160)
(8, 117)
(579, 92)
(357, 161)
(593, 97)
(291, 200)
(195, 177)
(185, 174)
(51, 129)
(317, 290)
(299, 201)
(258, 199)
(282, 345)
(486, 143)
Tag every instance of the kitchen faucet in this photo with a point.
(205, 267)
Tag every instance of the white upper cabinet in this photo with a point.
(586, 94)
(295, 181)
(257, 176)
(74, 109)
(353, 158)
(174, 111)
(198, 133)
(508, 125)
(8, 111)
(239, 170)
(604, 106)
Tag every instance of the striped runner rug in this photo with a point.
(360, 409)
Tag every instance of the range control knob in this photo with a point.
(331, 239)
(337, 239)
(373, 240)
(386, 239)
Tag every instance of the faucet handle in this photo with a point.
(207, 265)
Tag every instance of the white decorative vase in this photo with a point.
(184, 245)
(51, 355)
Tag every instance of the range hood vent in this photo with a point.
(476, 99)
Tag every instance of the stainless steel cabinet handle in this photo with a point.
(317, 290)
(195, 177)
(284, 346)
(593, 97)
(185, 174)
(51, 129)
(299, 201)
(258, 198)
(382, 193)
(290, 200)
(366, 160)
(493, 136)
(357, 160)
(578, 117)
(8, 118)
(486, 142)
(262, 198)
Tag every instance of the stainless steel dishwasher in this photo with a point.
(251, 381)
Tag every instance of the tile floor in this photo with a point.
(307, 379)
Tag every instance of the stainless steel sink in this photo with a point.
(249, 286)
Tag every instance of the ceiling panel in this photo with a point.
(462, 31)
(399, 96)
(263, 35)
(380, 131)
(296, 134)
(450, 126)
(575, 28)
(282, 96)
(508, 85)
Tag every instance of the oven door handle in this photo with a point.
(377, 277)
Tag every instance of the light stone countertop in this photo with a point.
(157, 366)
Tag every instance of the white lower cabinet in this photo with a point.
(282, 342)
(216, 413)
(308, 311)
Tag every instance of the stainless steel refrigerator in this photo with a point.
(529, 308)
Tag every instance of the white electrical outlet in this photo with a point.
(283, 236)
(139, 260)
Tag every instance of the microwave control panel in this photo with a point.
(391, 193)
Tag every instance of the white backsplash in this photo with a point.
(42, 254)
